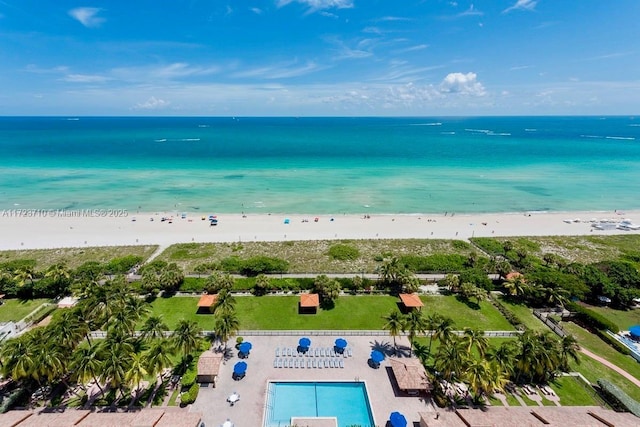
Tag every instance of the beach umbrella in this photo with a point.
(245, 347)
(377, 356)
(635, 331)
(304, 342)
(397, 420)
(227, 423)
(240, 368)
(341, 343)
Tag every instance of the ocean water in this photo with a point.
(321, 165)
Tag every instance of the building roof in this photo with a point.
(410, 374)
(170, 417)
(207, 300)
(411, 300)
(179, 418)
(518, 416)
(13, 418)
(309, 300)
(51, 418)
(209, 363)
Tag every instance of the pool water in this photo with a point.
(347, 401)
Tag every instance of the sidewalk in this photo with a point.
(608, 364)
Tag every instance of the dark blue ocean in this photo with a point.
(321, 165)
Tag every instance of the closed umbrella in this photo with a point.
(397, 420)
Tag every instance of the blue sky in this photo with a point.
(319, 57)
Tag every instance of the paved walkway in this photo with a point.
(608, 364)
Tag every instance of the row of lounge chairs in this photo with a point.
(308, 363)
(312, 352)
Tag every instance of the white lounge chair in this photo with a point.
(341, 363)
(277, 351)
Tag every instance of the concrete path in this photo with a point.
(608, 364)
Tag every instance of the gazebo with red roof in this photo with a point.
(411, 301)
(206, 303)
(309, 303)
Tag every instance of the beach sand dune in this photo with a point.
(54, 232)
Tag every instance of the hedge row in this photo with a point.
(190, 395)
(511, 317)
(591, 318)
(613, 342)
(619, 398)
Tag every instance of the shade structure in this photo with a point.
(245, 347)
(377, 356)
(341, 343)
(227, 423)
(233, 398)
(635, 331)
(240, 368)
(397, 420)
(304, 342)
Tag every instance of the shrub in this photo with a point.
(18, 264)
(189, 377)
(262, 265)
(191, 395)
(342, 252)
(489, 245)
(511, 317)
(231, 264)
(123, 264)
(618, 398)
(591, 318)
(437, 263)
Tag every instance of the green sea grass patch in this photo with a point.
(313, 256)
(74, 257)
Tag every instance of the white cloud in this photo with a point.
(87, 16)
(279, 71)
(328, 14)
(256, 10)
(412, 48)
(152, 103)
(315, 5)
(393, 19)
(472, 11)
(464, 84)
(522, 5)
(85, 78)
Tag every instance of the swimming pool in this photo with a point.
(347, 401)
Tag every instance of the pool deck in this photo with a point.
(249, 410)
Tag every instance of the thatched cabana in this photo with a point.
(410, 375)
(209, 367)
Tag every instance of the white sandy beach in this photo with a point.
(20, 232)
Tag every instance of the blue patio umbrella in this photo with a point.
(304, 342)
(397, 420)
(245, 347)
(377, 356)
(240, 368)
(635, 331)
(341, 343)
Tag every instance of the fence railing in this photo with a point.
(544, 318)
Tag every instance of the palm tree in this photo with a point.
(475, 338)
(59, 273)
(443, 331)
(415, 323)
(477, 374)
(153, 328)
(136, 372)
(569, 349)
(22, 275)
(421, 352)
(432, 320)
(87, 363)
(115, 366)
(451, 358)
(69, 330)
(451, 281)
(394, 323)
(516, 286)
(226, 326)
(158, 357)
(390, 271)
(503, 356)
(224, 302)
(19, 357)
(186, 337)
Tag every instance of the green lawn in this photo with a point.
(525, 314)
(593, 371)
(495, 402)
(528, 401)
(594, 344)
(511, 400)
(487, 318)
(16, 309)
(573, 392)
(623, 318)
(350, 312)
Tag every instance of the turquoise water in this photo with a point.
(321, 165)
(347, 401)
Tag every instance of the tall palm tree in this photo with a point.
(451, 357)
(186, 336)
(87, 363)
(503, 356)
(22, 275)
(224, 302)
(59, 273)
(69, 330)
(226, 326)
(394, 323)
(19, 357)
(475, 338)
(432, 320)
(136, 372)
(158, 357)
(443, 331)
(115, 366)
(414, 324)
(569, 349)
(153, 328)
(390, 271)
(516, 286)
